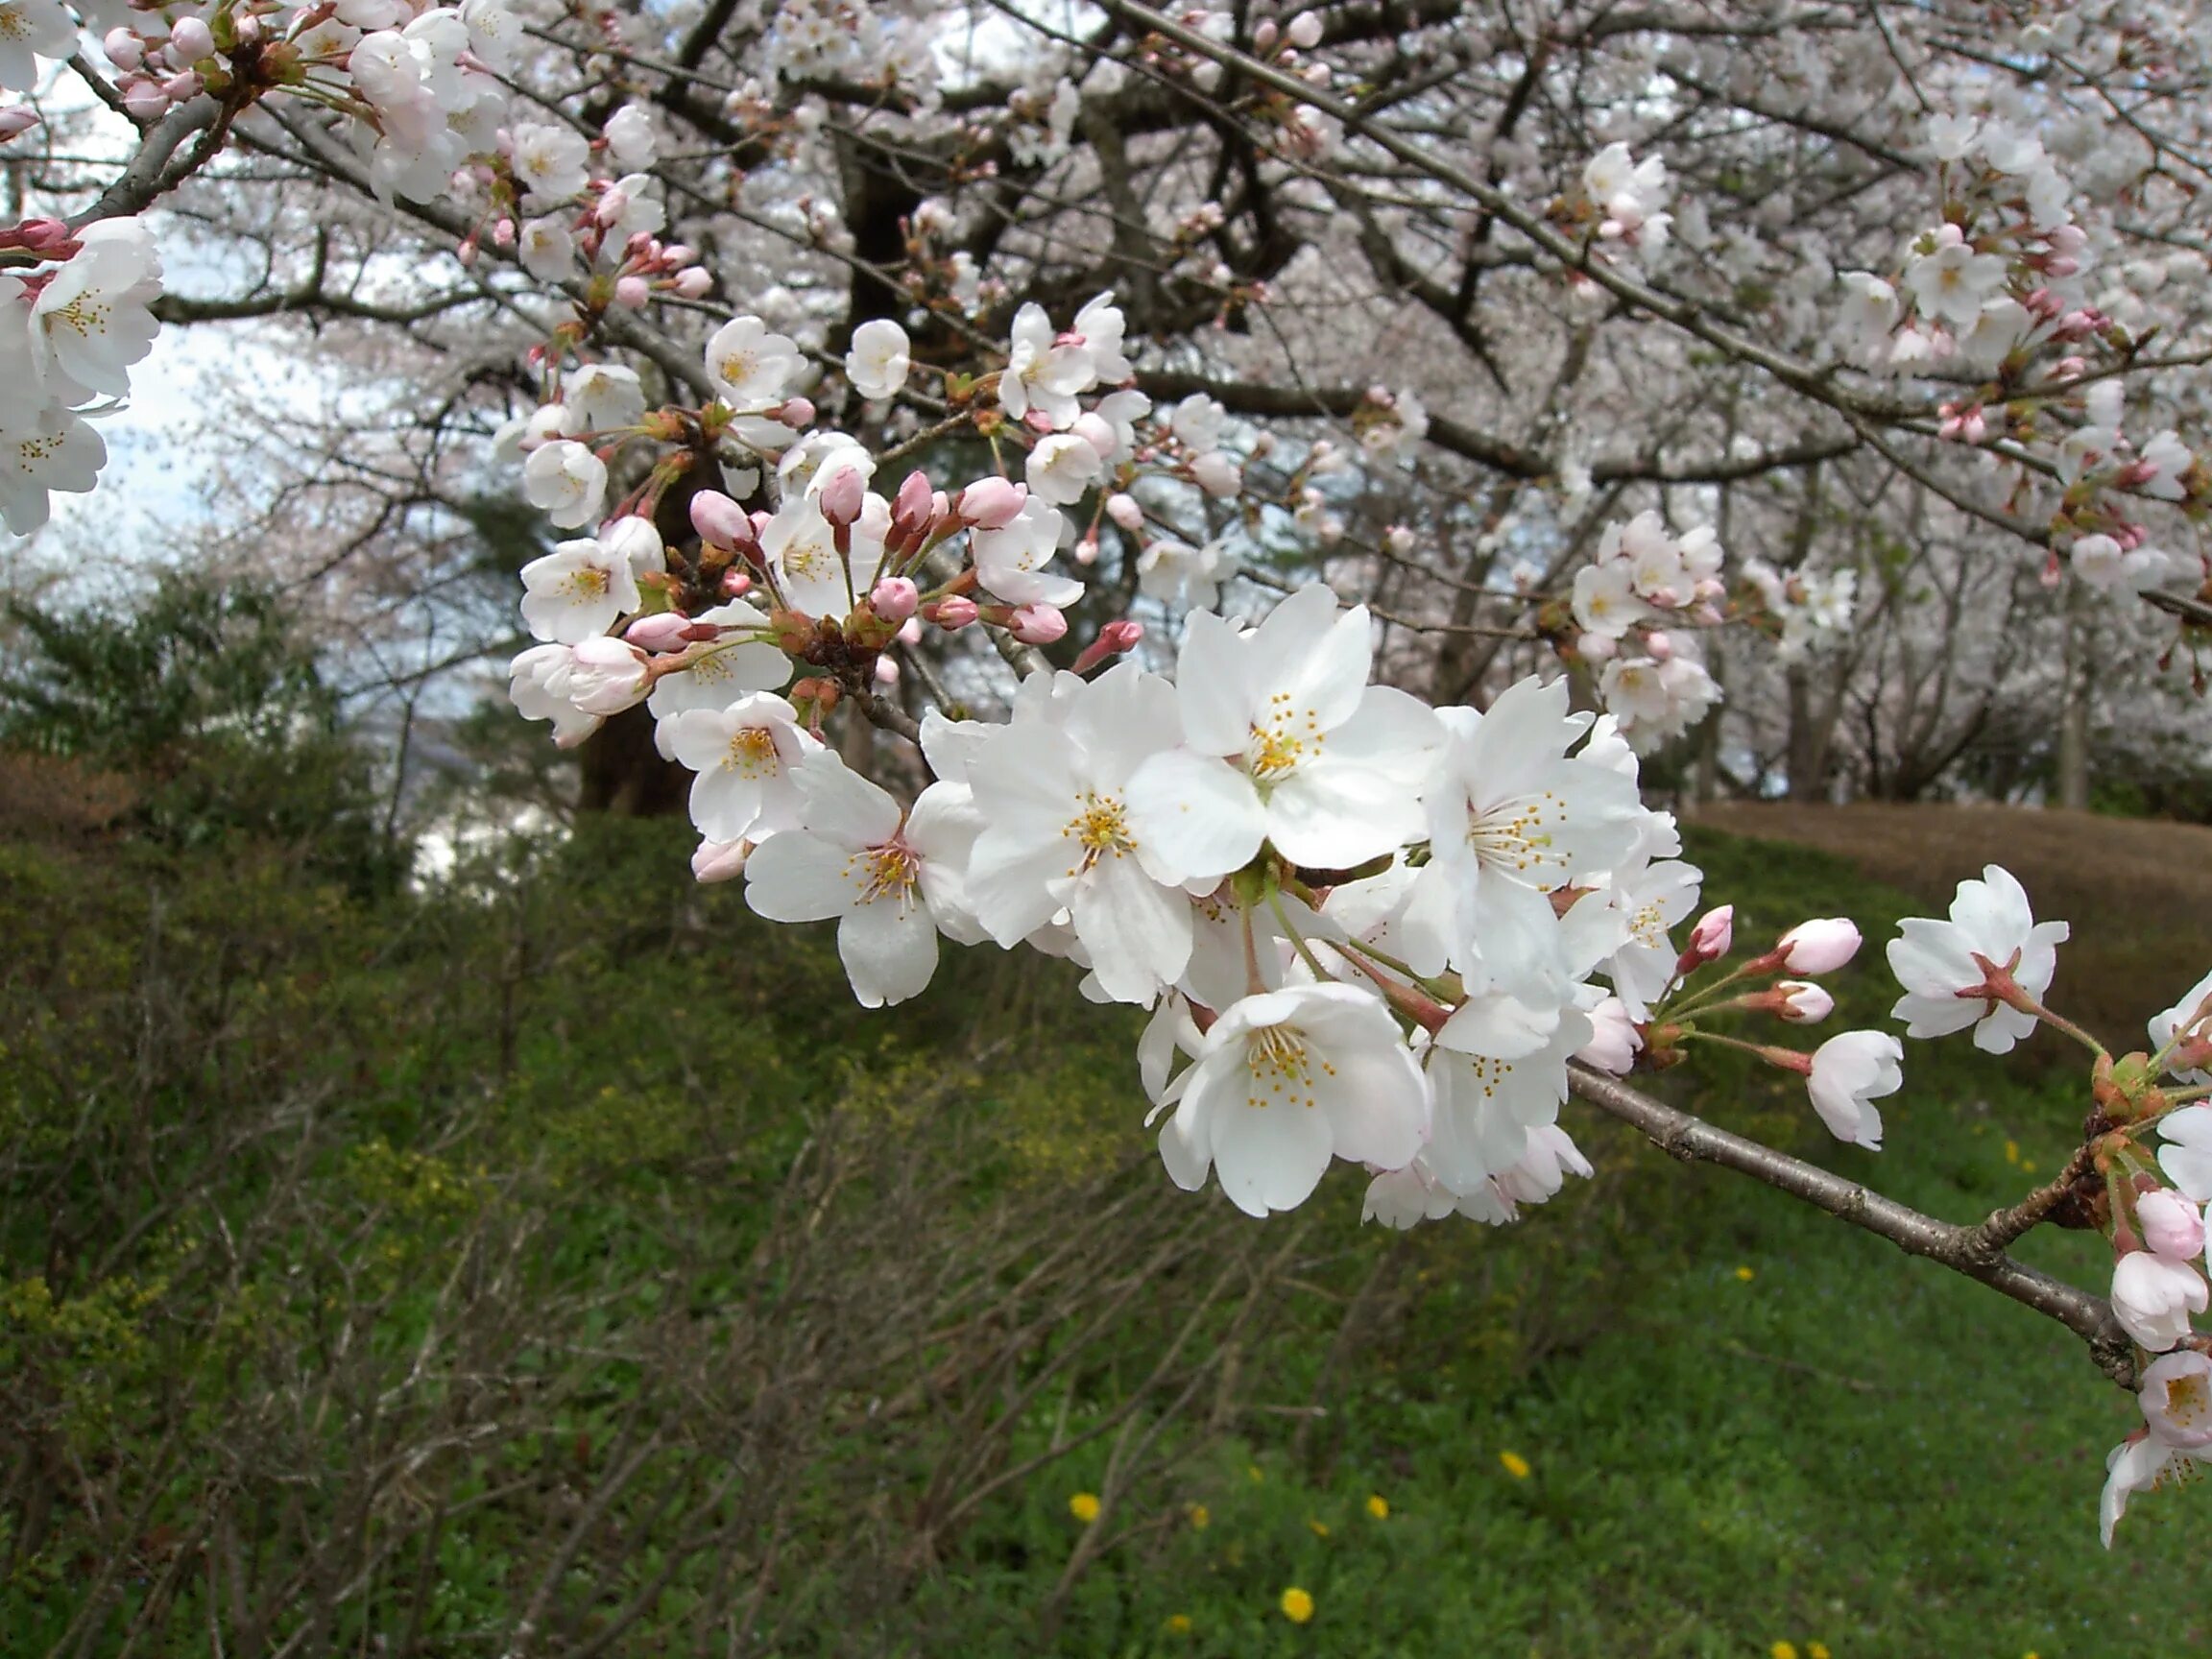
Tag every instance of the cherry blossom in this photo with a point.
(1936, 963)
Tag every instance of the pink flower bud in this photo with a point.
(1087, 550)
(503, 233)
(1710, 939)
(990, 503)
(632, 293)
(910, 630)
(893, 598)
(843, 496)
(145, 101)
(1660, 647)
(1597, 647)
(2170, 1225)
(191, 41)
(1264, 37)
(663, 631)
(886, 671)
(17, 121)
(1039, 624)
(736, 584)
(1819, 947)
(953, 613)
(182, 88)
(1802, 1002)
(124, 49)
(1112, 639)
(678, 253)
(245, 25)
(614, 203)
(2067, 239)
(693, 281)
(467, 252)
(1122, 508)
(1305, 31)
(914, 508)
(719, 860)
(721, 520)
(795, 412)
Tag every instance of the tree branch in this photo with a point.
(1966, 1250)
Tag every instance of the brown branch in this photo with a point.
(1977, 1252)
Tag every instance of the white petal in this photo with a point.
(889, 949)
(795, 878)
(1195, 816)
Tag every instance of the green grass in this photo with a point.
(784, 1238)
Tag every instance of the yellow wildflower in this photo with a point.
(1084, 1506)
(1514, 1464)
(1817, 1650)
(1782, 1651)
(1178, 1624)
(1379, 1507)
(1746, 1274)
(2011, 1151)
(1320, 1527)
(1256, 1472)
(1297, 1605)
(1201, 1517)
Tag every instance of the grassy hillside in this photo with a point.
(560, 1265)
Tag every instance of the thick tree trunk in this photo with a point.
(624, 774)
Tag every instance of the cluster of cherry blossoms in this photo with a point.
(1634, 604)
(71, 325)
(1994, 289)
(1623, 200)
(1986, 969)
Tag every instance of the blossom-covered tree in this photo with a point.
(1470, 405)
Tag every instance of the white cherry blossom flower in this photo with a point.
(602, 397)
(878, 363)
(1935, 962)
(631, 140)
(1850, 1072)
(751, 368)
(1286, 742)
(715, 673)
(1042, 374)
(94, 319)
(1286, 1080)
(546, 249)
(2153, 1298)
(577, 590)
(538, 683)
(1010, 560)
(1176, 574)
(565, 481)
(31, 30)
(61, 452)
(551, 163)
(1511, 819)
(812, 576)
(854, 858)
(1951, 282)
(743, 756)
(1061, 468)
(1048, 790)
